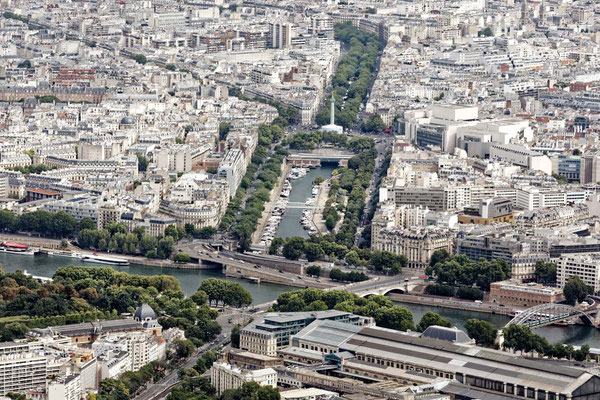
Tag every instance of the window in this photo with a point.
(530, 393)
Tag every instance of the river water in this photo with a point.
(572, 334)
(190, 279)
(45, 265)
(301, 191)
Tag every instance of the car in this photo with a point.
(299, 277)
(318, 280)
(280, 271)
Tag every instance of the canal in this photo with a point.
(301, 191)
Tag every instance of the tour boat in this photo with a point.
(15, 248)
(64, 254)
(95, 258)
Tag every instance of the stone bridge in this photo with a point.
(384, 286)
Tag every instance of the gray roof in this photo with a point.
(144, 312)
(454, 335)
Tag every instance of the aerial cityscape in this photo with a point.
(295, 200)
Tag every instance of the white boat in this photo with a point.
(15, 248)
(68, 254)
(94, 258)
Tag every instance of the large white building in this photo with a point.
(232, 169)
(21, 372)
(225, 377)
(66, 388)
(586, 266)
(522, 156)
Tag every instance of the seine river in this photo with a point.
(44, 265)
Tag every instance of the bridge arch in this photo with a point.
(546, 314)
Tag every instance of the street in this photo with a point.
(161, 388)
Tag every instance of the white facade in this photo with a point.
(586, 266)
(68, 388)
(22, 372)
(232, 168)
(225, 377)
(522, 156)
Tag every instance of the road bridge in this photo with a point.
(316, 157)
(384, 286)
(550, 313)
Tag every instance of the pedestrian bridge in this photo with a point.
(547, 314)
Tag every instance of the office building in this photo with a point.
(585, 266)
(266, 336)
(280, 34)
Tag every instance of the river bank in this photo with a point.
(45, 245)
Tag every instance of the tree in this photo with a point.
(181, 258)
(14, 330)
(142, 163)
(545, 271)
(235, 337)
(24, 64)
(224, 128)
(86, 223)
(486, 32)
(147, 243)
(166, 247)
(576, 290)
(293, 248)
(171, 231)
(576, 152)
(318, 180)
(170, 67)
(313, 270)
(275, 246)
(438, 256)
(374, 124)
(206, 233)
(313, 251)
(140, 59)
(184, 348)
(469, 293)
(482, 332)
(431, 318)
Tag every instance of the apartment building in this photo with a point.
(232, 169)
(21, 372)
(417, 244)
